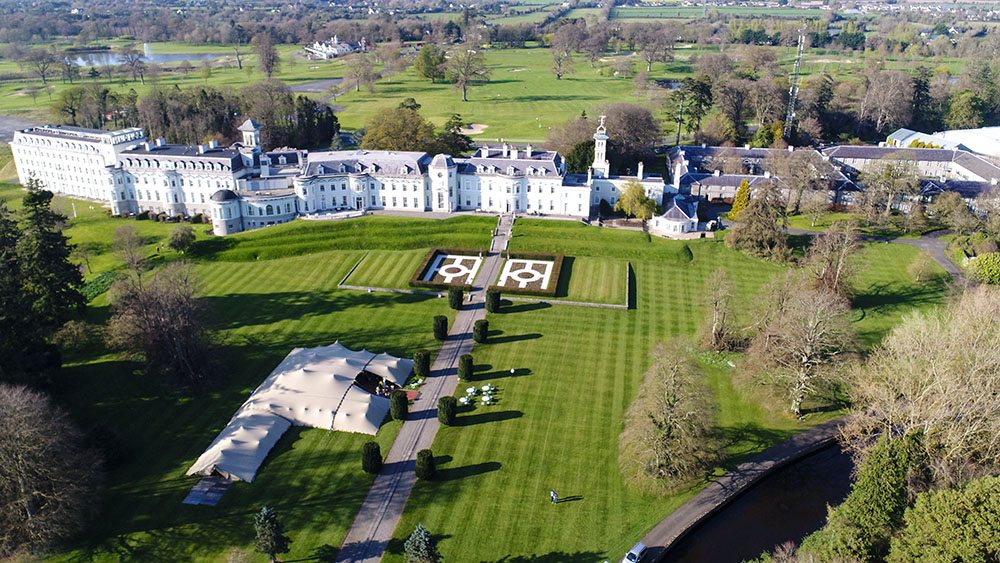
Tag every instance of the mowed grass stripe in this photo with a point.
(387, 268)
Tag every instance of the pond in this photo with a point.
(106, 58)
(788, 505)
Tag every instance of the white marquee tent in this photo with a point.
(312, 387)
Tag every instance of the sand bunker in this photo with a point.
(474, 129)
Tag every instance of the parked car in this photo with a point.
(635, 554)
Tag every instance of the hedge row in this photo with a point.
(418, 278)
(557, 264)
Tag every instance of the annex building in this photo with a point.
(244, 187)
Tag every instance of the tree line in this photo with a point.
(198, 114)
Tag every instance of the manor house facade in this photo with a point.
(243, 187)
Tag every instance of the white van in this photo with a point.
(635, 554)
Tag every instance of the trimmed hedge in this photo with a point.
(425, 465)
(399, 405)
(557, 264)
(440, 327)
(455, 298)
(371, 457)
(447, 406)
(492, 300)
(422, 364)
(418, 277)
(481, 331)
(465, 367)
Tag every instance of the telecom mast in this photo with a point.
(793, 90)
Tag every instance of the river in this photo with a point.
(105, 58)
(787, 505)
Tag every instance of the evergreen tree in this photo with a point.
(21, 342)
(50, 282)
(741, 200)
(420, 548)
(271, 539)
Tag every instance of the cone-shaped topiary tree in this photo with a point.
(455, 297)
(422, 364)
(399, 405)
(440, 327)
(446, 410)
(492, 300)
(481, 331)
(425, 465)
(465, 367)
(371, 457)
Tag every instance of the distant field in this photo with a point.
(691, 12)
(17, 98)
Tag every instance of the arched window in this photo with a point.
(269, 210)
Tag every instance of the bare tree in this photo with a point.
(467, 67)
(803, 341)
(667, 437)
(41, 62)
(132, 60)
(938, 374)
(362, 72)
(562, 63)
(267, 54)
(719, 294)
(886, 100)
(829, 257)
(886, 182)
(163, 323)
(48, 482)
(129, 246)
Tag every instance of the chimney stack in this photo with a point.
(201, 149)
(639, 172)
(506, 150)
(791, 148)
(529, 152)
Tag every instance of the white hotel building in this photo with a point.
(243, 187)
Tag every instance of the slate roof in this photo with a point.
(250, 125)
(187, 153)
(971, 162)
(396, 163)
(539, 160)
(224, 195)
(682, 209)
(968, 189)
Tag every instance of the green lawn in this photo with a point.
(892, 230)
(365, 233)
(555, 426)
(388, 268)
(593, 280)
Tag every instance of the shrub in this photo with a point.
(399, 405)
(181, 238)
(98, 284)
(142, 216)
(425, 465)
(492, 300)
(481, 331)
(440, 327)
(455, 297)
(986, 268)
(371, 458)
(446, 410)
(198, 218)
(76, 336)
(465, 366)
(422, 364)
